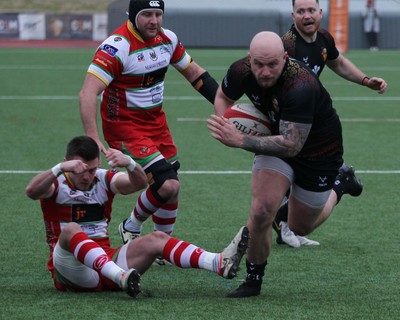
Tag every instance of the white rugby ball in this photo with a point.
(248, 119)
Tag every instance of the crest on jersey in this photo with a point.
(275, 105)
(153, 55)
(140, 57)
(324, 54)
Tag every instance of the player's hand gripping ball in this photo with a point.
(248, 119)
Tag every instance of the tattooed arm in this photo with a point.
(288, 144)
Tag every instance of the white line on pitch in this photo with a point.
(190, 98)
(227, 172)
(343, 120)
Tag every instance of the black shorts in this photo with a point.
(316, 176)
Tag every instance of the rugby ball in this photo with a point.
(248, 119)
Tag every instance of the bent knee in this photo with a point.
(155, 241)
(263, 213)
(301, 229)
(169, 189)
(72, 228)
(159, 235)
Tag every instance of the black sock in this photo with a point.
(282, 214)
(255, 273)
(338, 189)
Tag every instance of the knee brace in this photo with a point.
(160, 171)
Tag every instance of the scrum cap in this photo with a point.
(137, 6)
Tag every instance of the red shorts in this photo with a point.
(145, 149)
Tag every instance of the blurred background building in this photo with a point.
(203, 23)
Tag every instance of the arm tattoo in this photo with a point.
(288, 144)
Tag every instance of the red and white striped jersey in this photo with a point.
(91, 209)
(134, 72)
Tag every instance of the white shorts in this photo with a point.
(76, 272)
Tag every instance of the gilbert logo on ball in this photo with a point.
(248, 119)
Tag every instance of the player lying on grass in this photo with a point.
(76, 198)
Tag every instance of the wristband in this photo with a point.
(131, 166)
(362, 81)
(56, 170)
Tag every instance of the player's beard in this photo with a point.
(266, 82)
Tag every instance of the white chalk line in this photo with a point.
(201, 172)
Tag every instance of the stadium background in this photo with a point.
(206, 23)
(353, 275)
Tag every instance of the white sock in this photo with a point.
(112, 271)
(210, 261)
(133, 225)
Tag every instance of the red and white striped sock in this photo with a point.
(164, 218)
(186, 255)
(93, 256)
(145, 206)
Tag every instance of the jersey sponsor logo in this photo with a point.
(101, 61)
(154, 4)
(156, 65)
(110, 50)
(154, 77)
(156, 96)
(164, 50)
(87, 212)
(117, 39)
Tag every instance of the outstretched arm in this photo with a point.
(347, 70)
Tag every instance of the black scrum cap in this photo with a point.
(137, 6)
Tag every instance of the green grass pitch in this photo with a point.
(354, 274)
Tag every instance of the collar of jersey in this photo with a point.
(138, 36)
(69, 183)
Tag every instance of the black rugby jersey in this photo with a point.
(298, 96)
(314, 54)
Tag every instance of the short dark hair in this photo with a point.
(84, 147)
(293, 1)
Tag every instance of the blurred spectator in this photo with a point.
(371, 25)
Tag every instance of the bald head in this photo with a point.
(267, 58)
(266, 43)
